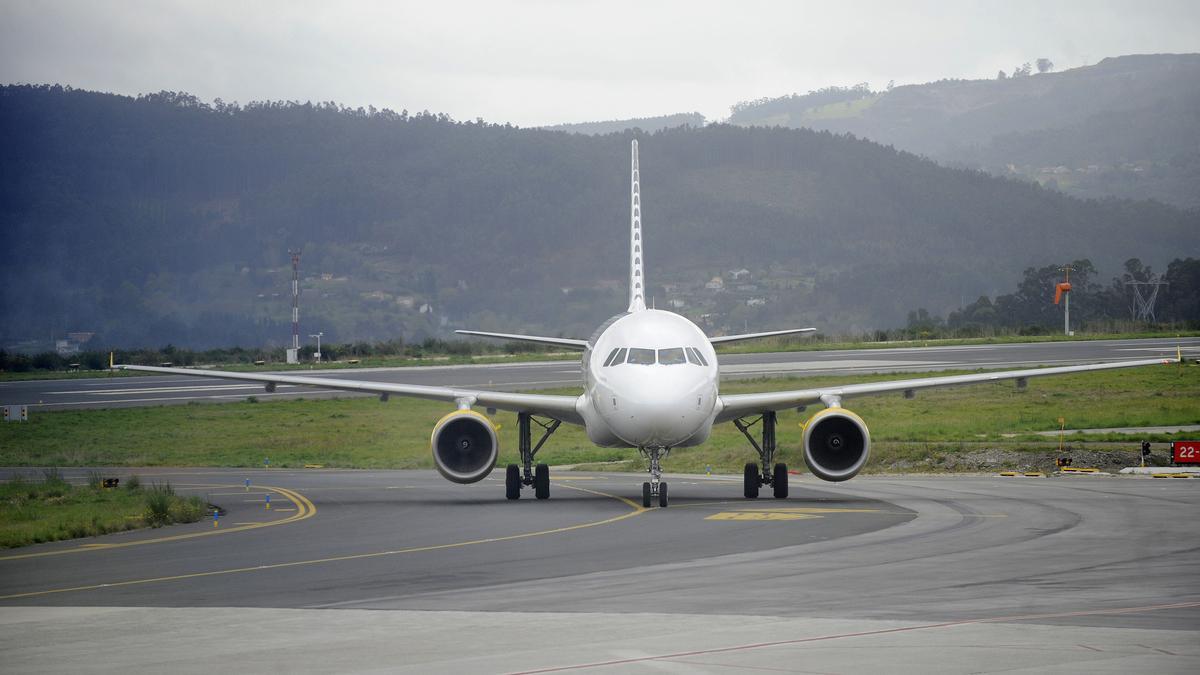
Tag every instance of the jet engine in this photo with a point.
(465, 446)
(836, 444)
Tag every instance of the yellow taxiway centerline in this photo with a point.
(637, 510)
(304, 509)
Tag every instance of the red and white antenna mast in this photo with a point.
(295, 304)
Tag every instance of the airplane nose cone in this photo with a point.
(660, 416)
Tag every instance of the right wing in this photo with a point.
(558, 407)
(734, 406)
(569, 343)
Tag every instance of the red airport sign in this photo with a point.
(1186, 452)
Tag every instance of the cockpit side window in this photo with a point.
(612, 356)
(641, 357)
(672, 356)
(620, 358)
(699, 358)
(692, 356)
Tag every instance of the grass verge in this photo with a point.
(364, 433)
(53, 509)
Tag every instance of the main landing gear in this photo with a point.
(654, 487)
(538, 477)
(752, 478)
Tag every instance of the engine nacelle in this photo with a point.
(836, 444)
(464, 446)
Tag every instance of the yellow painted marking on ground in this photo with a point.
(305, 509)
(1034, 474)
(782, 513)
(636, 510)
(760, 515)
(1008, 473)
(283, 510)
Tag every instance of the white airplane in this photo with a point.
(650, 382)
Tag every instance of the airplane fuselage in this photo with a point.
(650, 380)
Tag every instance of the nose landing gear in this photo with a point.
(752, 478)
(654, 487)
(538, 477)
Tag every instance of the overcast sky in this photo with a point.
(543, 62)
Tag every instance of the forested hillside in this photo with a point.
(647, 124)
(1125, 127)
(164, 219)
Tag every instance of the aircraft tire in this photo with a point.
(646, 494)
(779, 481)
(750, 484)
(541, 481)
(512, 481)
(662, 495)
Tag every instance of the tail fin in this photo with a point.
(637, 280)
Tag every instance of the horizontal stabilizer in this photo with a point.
(569, 343)
(750, 336)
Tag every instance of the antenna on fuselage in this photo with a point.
(637, 281)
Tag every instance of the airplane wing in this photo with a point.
(721, 339)
(740, 405)
(558, 407)
(569, 343)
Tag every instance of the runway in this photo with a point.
(366, 571)
(170, 390)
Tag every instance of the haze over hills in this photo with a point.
(1127, 126)
(164, 219)
(648, 124)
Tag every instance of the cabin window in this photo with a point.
(672, 356)
(641, 357)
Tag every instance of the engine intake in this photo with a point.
(464, 446)
(836, 444)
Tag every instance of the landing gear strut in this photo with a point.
(539, 477)
(654, 487)
(776, 476)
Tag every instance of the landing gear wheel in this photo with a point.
(662, 495)
(646, 494)
(541, 482)
(750, 487)
(779, 481)
(512, 481)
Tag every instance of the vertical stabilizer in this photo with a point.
(637, 280)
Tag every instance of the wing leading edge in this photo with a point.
(740, 405)
(558, 407)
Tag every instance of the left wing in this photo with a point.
(558, 407)
(721, 339)
(740, 405)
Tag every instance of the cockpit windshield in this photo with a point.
(671, 356)
(641, 357)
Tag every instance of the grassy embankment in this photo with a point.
(364, 433)
(53, 509)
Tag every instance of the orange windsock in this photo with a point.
(1059, 289)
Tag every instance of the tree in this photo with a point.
(1045, 65)
(1023, 70)
(1001, 75)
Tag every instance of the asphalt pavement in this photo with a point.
(371, 571)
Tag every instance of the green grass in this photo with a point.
(364, 433)
(52, 509)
